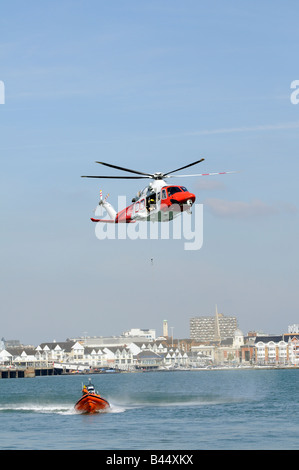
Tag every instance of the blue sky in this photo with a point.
(150, 86)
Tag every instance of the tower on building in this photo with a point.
(165, 329)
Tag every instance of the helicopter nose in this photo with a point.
(191, 199)
(183, 198)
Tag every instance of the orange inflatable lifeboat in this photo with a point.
(90, 402)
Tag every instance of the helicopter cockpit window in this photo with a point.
(184, 189)
(173, 189)
(164, 194)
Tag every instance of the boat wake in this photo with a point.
(33, 408)
(55, 408)
(121, 405)
(116, 408)
(166, 401)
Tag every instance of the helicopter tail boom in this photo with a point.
(107, 206)
(106, 221)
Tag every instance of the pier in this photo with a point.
(23, 372)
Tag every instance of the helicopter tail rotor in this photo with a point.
(99, 209)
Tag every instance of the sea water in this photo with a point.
(200, 410)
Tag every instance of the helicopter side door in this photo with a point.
(151, 201)
(158, 200)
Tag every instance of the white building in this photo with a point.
(293, 350)
(5, 358)
(149, 335)
(293, 329)
(271, 352)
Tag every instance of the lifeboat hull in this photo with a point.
(91, 403)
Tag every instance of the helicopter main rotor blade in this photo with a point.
(119, 177)
(124, 169)
(201, 174)
(186, 166)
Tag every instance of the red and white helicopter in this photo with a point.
(159, 201)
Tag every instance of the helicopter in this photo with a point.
(159, 201)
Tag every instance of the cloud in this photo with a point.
(209, 185)
(240, 209)
(265, 127)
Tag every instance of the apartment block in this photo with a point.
(213, 328)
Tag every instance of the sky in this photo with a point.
(151, 86)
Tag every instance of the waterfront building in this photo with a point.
(228, 351)
(293, 329)
(202, 355)
(248, 350)
(150, 335)
(54, 352)
(223, 345)
(5, 358)
(213, 328)
(120, 358)
(20, 357)
(72, 355)
(148, 359)
(131, 336)
(293, 350)
(271, 350)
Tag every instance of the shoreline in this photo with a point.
(32, 373)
